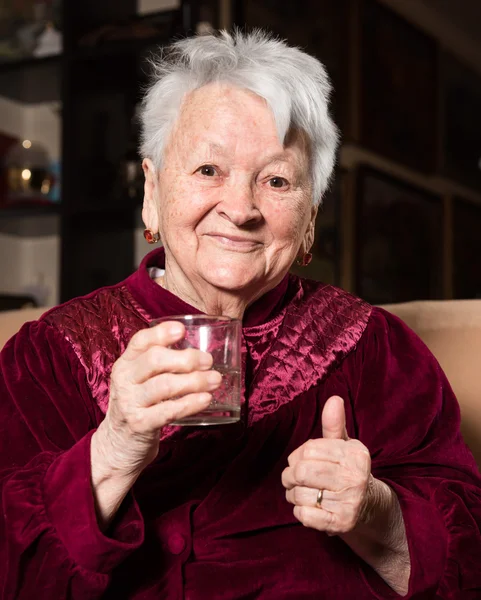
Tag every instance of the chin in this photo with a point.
(231, 278)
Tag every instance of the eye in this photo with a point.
(207, 171)
(277, 182)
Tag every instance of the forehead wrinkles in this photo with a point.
(221, 107)
(239, 112)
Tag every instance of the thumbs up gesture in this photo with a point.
(328, 479)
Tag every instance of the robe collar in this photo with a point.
(159, 302)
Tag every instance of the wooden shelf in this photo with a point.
(8, 66)
(31, 80)
(30, 221)
(97, 81)
(33, 210)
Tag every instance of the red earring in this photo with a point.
(151, 237)
(305, 260)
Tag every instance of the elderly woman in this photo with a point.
(347, 476)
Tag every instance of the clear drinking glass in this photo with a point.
(221, 337)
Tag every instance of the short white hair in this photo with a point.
(294, 84)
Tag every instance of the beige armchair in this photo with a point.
(12, 320)
(452, 331)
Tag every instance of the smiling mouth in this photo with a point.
(234, 242)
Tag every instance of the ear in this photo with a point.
(150, 212)
(308, 240)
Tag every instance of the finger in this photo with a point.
(305, 496)
(319, 449)
(302, 496)
(157, 416)
(171, 385)
(320, 519)
(163, 334)
(334, 419)
(157, 360)
(312, 474)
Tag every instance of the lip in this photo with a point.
(233, 241)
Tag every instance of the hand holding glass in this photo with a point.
(219, 336)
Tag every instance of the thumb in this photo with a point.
(334, 419)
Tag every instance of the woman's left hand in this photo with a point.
(334, 471)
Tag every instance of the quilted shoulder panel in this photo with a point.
(319, 328)
(99, 327)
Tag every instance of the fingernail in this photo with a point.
(213, 379)
(175, 329)
(205, 359)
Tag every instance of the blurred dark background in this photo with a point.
(402, 220)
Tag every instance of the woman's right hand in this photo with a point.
(151, 385)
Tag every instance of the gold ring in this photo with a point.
(320, 494)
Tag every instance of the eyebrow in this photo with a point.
(280, 157)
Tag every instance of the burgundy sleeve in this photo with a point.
(408, 417)
(50, 544)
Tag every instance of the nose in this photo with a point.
(238, 205)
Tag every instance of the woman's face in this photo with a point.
(232, 205)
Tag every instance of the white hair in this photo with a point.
(294, 84)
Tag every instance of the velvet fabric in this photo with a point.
(208, 518)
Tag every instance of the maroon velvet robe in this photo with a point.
(208, 519)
